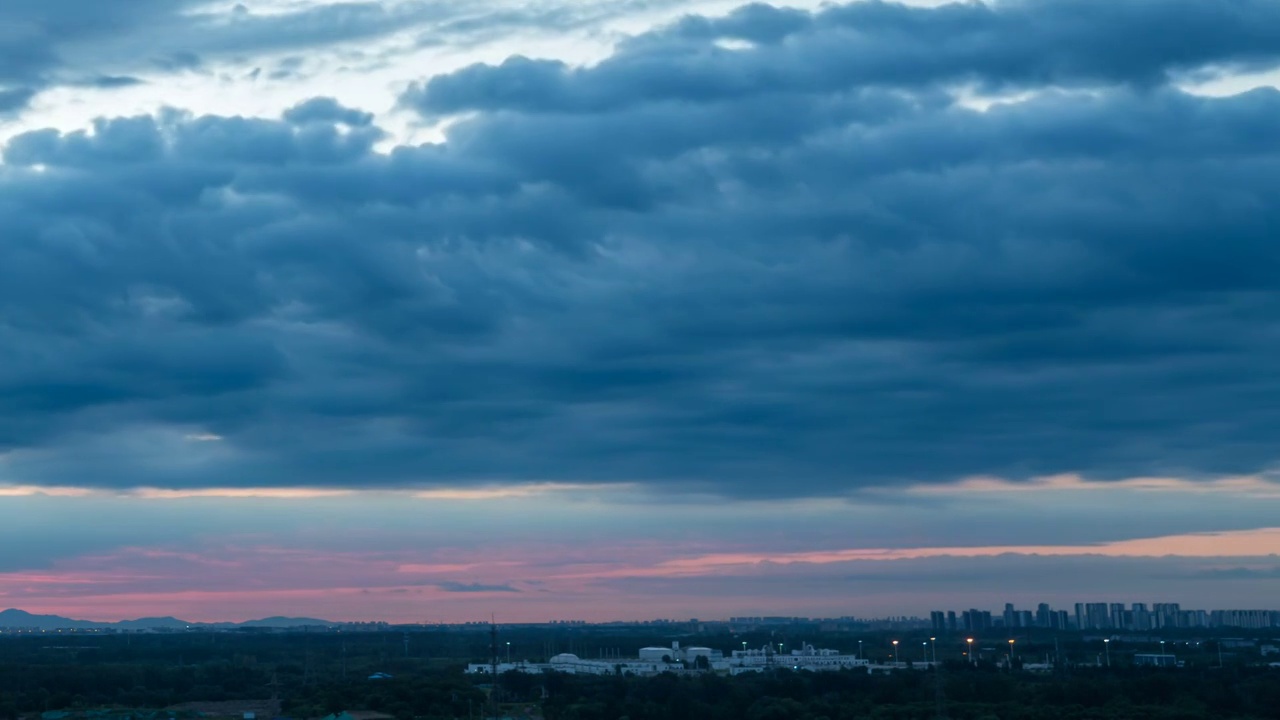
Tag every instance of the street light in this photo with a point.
(924, 651)
(1011, 654)
(895, 652)
(970, 641)
(933, 646)
(1106, 643)
(508, 652)
(859, 649)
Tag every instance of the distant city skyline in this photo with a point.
(1137, 616)
(1090, 616)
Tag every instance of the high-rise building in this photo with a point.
(1196, 619)
(1250, 619)
(1141, 618)
(1165, 615)
(1098, 616)
(1044, 615)
(976, 620)
(1102, 616)
(1117, 616)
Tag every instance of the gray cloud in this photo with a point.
(113, 81)
(327, 110)
(15, 99)
(36, 36)
(956, 583)
(710, 276)
(457, 587)
(1241, 573)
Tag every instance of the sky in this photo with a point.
(423, 310)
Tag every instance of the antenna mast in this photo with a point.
(493, 663)
(493, 648)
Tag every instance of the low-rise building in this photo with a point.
(1155, 660)
(655, 660)
(806, 658)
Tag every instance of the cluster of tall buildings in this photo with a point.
(1103, 616)
(974, 620)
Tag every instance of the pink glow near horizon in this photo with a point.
(242, 582)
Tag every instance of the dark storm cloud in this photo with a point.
(1007, 44)
(768, 270)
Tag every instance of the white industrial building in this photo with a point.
(677, 654)
(805, 658)
(655, 660)
(651, 661)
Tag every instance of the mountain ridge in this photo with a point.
(14, 618)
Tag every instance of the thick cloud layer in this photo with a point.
(1019, 44)
(764, 254)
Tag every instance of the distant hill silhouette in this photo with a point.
(21, 619)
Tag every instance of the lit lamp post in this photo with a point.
(1162, 650)
(970, 641)
(933, 647)
(924, 651)
(895, 652)
(1011, 654)
(859, 649)
(1106, 643)
(508, 652)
